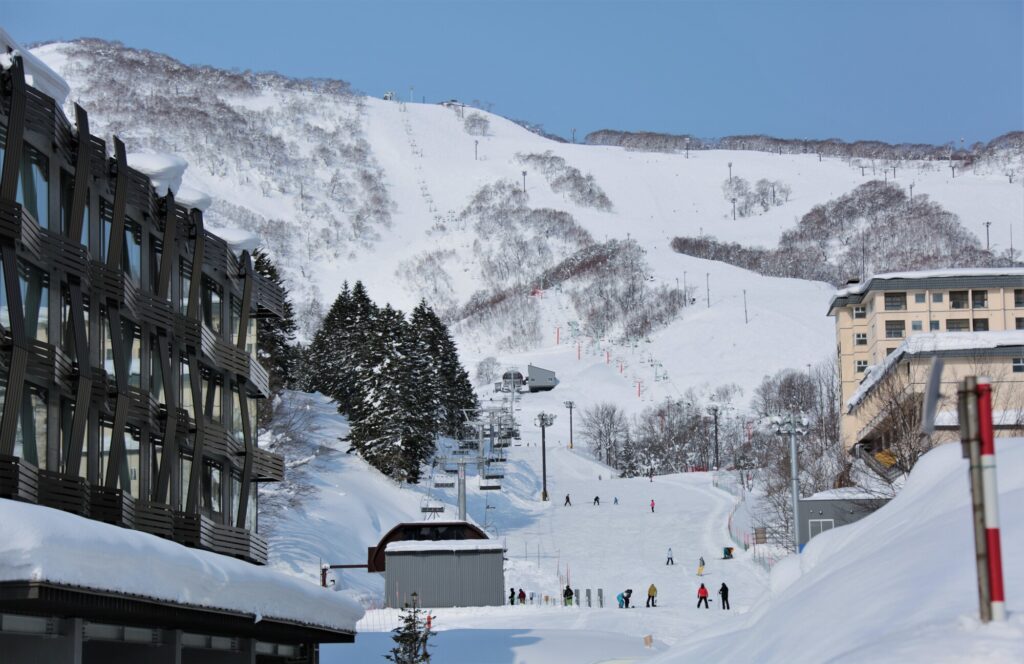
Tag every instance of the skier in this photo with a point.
(652, 504)
(616, 501)
(700, 567)
(652, 594)
(597, 501)
(669, 560)
(567, 595)
(522, 596)
(511, 596)
(724, 593)
(568, 503)
(702, 596)
(621, 599)
(629, 594)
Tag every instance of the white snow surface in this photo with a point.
(238, 240)
(934, 342)
(165, 170)
(864, 286)
(37, 73)
(191, 197)
(443, 545)
(44, 544)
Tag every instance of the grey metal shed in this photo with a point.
(444, 573)
(831, 509)
(540, 380)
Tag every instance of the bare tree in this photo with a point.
(605, 429)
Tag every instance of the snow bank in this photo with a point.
(934, 342)
(444, 545)
(37, 73)
(897, 586)
(164, 169)
(43, 544)
(843, 493)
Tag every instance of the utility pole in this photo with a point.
(570, 405)
(524, 182)
(476, 149)
(911, 192)
(686, 142)
(544, 420)
(987, 247)
(714, 413)
(707, 286)
(730, 172)
(734, 208)
(574, 134)
(792, 426)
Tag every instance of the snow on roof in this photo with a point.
(37, 73)
(950, 418)
(934, 342)
(43, 544)
(239, 240)
(163, 168)
(192, 198)
(865, 286)
(404, 546)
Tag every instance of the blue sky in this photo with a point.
(894, 70)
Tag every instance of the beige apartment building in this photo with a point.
(876, 317)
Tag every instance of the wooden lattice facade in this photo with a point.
(128, 372)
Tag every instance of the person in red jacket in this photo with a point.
(702, 596)
(652, 504)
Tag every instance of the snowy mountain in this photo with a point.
(426, 200)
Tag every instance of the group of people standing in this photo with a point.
(512, 596)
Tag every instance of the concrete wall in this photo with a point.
(815, 515)
(445, 578)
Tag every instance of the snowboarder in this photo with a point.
(652, 594)
(621, 599)
(522, 596)
(568, 503)
(702, 596)
(669, 560)
(597, 501)
(723, 592)
(616, 501)
(700, 567)
(629, 594)
(567, 595)
(512, 596)
(652, 504)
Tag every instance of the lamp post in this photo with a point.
(476, 149)
(524, 182)
(792, 426)
(987, 246)
(714, 415)
(570, 405)
(544, 420)
(733, 208)
(730, 172)
(686, 142)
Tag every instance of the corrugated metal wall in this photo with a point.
(445, 578)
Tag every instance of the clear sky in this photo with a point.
(894, 70)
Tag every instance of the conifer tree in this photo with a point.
(327, 355)
(629, 462)
(411, 639)
(454, 389)
(275, 339)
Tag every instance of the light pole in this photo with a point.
(570, 405)
(544, 420)
(730, 172)
(987, 247)
(524, 182)
(476, 150)
(734, 208)
(714, 414)
(686, 142)
(792, 426)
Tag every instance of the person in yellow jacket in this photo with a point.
(652, 594)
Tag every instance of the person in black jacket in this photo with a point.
(567, 595)
(512, 596)
(723, 592)
(568, 503)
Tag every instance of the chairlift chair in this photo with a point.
(430, 506)
(444, 482)
(494, 474)
(490, 486)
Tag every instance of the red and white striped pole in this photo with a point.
(991, 498)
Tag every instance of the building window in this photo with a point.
(35, 300)
(185, 476)
(67, 190)
(131, 258)
(156, 370)
(211, 489)
(860, 339)
(1018, 365)
(211, 305)
(30, 428)
(1020, 323)
(184, 286)
(860, 366)
(859, 312)
(981, 325)
(131, 336)
(958, 299)
(129, 472)
(937, 298)
(958, 325)
(979, 299)
(106, 222)
(1018, 297)
(919, 298)
(895, 329)
(34, 185)
(933, 325)
(916, 326)
(890, 351)
(895, 301)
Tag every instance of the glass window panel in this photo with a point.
(156, 371)
(34, 185)
(131, 259)
(35, 298)
(30, 430)
(236, 417)
(130, 470)
(67, 414)
(106, 221)
(185, 285)
(250, 337)
(211, 306)
(236, 495)
(250, 512)
(157, 457)
(186, 473)
(133, 347)
(67, 197)
(155, 254)
(5, 314)
(185, 391)
(235, 313)
(211, 489)
(106, 348)
(106, 435)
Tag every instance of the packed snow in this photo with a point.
(863, 286)
(37, 73)
(407, 546)
(44, 544)
(165, 170)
